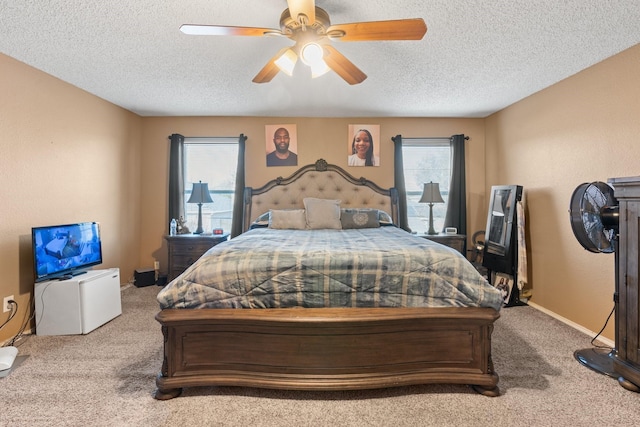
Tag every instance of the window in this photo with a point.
(214, 161)
(426, 160)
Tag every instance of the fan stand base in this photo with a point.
(597, 359)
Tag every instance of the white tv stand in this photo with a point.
(77, 305)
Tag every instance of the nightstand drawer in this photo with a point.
(455, 241)
(185, 249)
(182, 249)
(181, 262)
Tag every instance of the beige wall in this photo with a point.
(583, 129)
(325, 138)
(69, 156)
(65, 156)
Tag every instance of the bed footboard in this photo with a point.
(326, 348)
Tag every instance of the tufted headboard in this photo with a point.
(320, 180)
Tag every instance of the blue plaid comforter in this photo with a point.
(371, 267)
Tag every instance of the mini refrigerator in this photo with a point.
(77, 305)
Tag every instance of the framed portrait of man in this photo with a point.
(281, 143)
(364, 145)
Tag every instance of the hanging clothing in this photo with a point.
(522, 244)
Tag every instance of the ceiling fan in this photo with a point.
(311, 30)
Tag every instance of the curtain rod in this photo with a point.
(208, 137)
(466, 137)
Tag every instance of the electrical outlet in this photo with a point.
(156, 265)
(5, 303)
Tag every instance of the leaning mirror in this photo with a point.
(499, 235)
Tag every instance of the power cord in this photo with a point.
(42, 304)
(600, 332)
(14, 311)
(26, 321)
(12, 314)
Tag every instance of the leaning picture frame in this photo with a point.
(504, 283)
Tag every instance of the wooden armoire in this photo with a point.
(626, 362)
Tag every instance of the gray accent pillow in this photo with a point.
(359, 218)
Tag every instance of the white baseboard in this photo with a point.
(603, 340)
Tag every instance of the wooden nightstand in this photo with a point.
(455, 241)
(185, 249)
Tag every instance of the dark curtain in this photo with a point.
(403, 221)
(238, 198)
(176, 178)
(457, 205)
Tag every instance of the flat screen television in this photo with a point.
(64, 251)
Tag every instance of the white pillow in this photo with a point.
(293, 219)
(322, 213)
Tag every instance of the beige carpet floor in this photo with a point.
(106, 378)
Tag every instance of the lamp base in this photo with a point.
(431, 231)
(199, 230)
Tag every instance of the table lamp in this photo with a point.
(200, 194)
(431, 195)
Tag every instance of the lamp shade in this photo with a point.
(287, 61)
(200, 193)
(431, 193)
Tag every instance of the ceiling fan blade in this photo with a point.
(270, 70)
(399, 29)
(303, 7)
(223, 30)
(342, 66)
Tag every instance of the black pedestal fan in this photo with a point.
(594, 220)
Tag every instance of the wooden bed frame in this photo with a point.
(325, 348)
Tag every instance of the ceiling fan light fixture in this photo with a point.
(312, 53)
(319, 68)
(287, 62)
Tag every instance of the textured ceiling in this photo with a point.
(477, 57)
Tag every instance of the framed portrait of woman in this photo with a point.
(364, 145)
